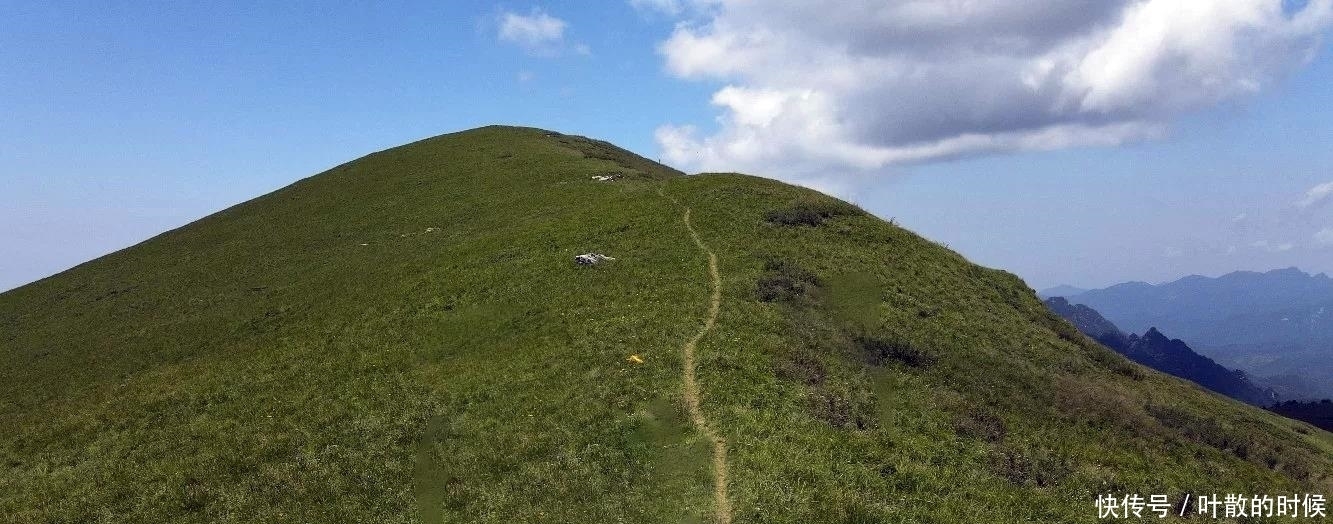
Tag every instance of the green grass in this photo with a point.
(405, 338)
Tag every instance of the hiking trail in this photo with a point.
(722, 503)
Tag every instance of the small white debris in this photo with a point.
(365, 244)
(432, 229)
(607, 178)
(588, 259)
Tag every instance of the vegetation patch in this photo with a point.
(784, 281)
(1098, 404)
(811, 212)
(805, 369)
(1242, 442)
(879, 350)
(980, 424)
(836, 390)
(847, 408)
(1036, 467)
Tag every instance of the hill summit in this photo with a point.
(407, 338)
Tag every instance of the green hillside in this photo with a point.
(406, 338)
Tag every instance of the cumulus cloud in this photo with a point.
(1316, 196)
(537, 33)
(862, 84)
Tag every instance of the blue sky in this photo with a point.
(120, 121)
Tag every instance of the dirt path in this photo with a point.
(723, 504)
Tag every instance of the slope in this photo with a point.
(405, 338)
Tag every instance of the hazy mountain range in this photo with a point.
(1157, 351)
(1276, 325)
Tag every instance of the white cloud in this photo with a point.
(537, 33)
(1316, 196)
(1324, 237)
(862, 84)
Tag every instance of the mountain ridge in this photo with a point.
(1165, 354)
(1276, 325)
(406, 337)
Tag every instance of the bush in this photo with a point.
(840, 411)
(784, 281)
(811, 212)
(880, 350)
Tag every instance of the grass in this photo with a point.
(405, 338)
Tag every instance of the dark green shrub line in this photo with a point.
(811, 212)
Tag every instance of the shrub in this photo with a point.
(881, 350)
(784, 281)
(839, 411)
(811, 212)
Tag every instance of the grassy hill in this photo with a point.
(405, 338)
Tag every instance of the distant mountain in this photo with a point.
(1283, 305)
(1157, 351)
(1089, 322)
(1296, 371)
(1062, 290)
(1319, 414)
(1173, 356)
(1276, 325)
